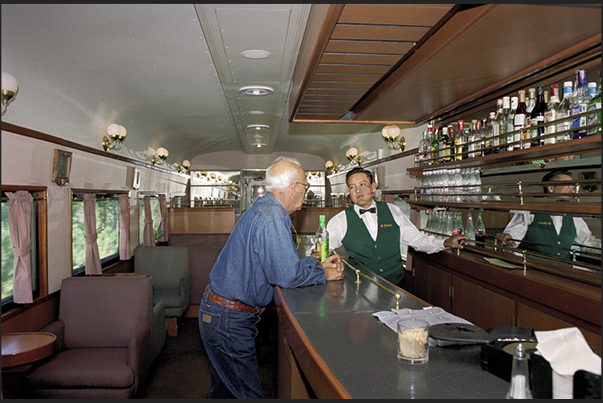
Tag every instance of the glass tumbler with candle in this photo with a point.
(413, 341)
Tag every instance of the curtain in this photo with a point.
(162, 219)
(19, 224)
(124, 240)
(148, 235)
(93, 263)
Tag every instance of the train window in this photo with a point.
(38, 242)
(107, 229)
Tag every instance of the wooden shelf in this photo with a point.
(583, 208)
(573, 147)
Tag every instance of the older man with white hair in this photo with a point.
(258, 255)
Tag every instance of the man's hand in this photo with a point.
(333, 267)
(506, 240)
(456, 241)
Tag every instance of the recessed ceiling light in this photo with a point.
(256, 54)
(258, 127)
(257, 90)
(258, 145)
(256, 112)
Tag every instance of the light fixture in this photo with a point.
(256, 54)
(116, 134)
(258, 144)
(352, 155)
(162, 154)
(186, 164)
(258, 127)
(9, 89)
(257, 90)
(331, 169)
(391, 135)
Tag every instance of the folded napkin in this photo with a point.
(430, 314)
(567, 351)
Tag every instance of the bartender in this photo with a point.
(535, 231)
(371, 231)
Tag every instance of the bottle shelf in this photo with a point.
(572, 147)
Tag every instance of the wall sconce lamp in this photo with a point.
(353, 156)
(9, 89)
(186, 164)
(331, 168)
(391, 135)
(116, 134)
(162, 154)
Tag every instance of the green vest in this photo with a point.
(542, 230)
(381, 256)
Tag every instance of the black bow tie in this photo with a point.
(370, 210)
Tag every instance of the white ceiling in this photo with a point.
(169, 73)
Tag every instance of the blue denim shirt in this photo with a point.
(260, 254)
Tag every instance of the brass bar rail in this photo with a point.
(359, 273)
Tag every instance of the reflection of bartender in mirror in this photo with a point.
(561, 230)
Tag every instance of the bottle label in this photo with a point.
(457, 231)
(323, 250)
(480, 231)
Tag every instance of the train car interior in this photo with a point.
(135, 136)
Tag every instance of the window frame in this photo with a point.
(112, 259)
(42, 244)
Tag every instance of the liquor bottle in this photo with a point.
(470, 228)
(565, 111)
(530, 101)
(457, 224)
(434, 145)
(460, 140)
(322, 239)
(502, 124)
(511, 123)
(424, 147)
(443, 150)
(451, 144)
(594, 118)
(550, 115)
(472, 138)
(480, 231)
(520, 376)
(492, 133)
(579, 102)
(519, 121)
(537, 118)
(592, 89)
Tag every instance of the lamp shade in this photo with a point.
(329, 164)
(9, 82)
(352, 152)
(393, 131)
(122, 132)
(186, 164)
(162, 152)
(114, 130)
(384, 132)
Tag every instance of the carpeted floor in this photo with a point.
(181, 370)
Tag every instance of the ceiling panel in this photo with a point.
(366, 42)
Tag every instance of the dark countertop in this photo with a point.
(360, 351)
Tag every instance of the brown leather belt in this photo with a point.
(239, 306)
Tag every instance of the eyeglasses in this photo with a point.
(305, 185)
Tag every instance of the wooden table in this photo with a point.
(20, 351)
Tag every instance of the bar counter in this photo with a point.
(342, 351)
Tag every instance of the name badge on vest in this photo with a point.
(386, 225)
(545, 223)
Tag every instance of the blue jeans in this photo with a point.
(229, 340)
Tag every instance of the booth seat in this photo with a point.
(168, 266)
(103, 340)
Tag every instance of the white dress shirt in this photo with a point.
(518, 227)
(409, 234)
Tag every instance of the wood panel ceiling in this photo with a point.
(407, 63)
(366, 41)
